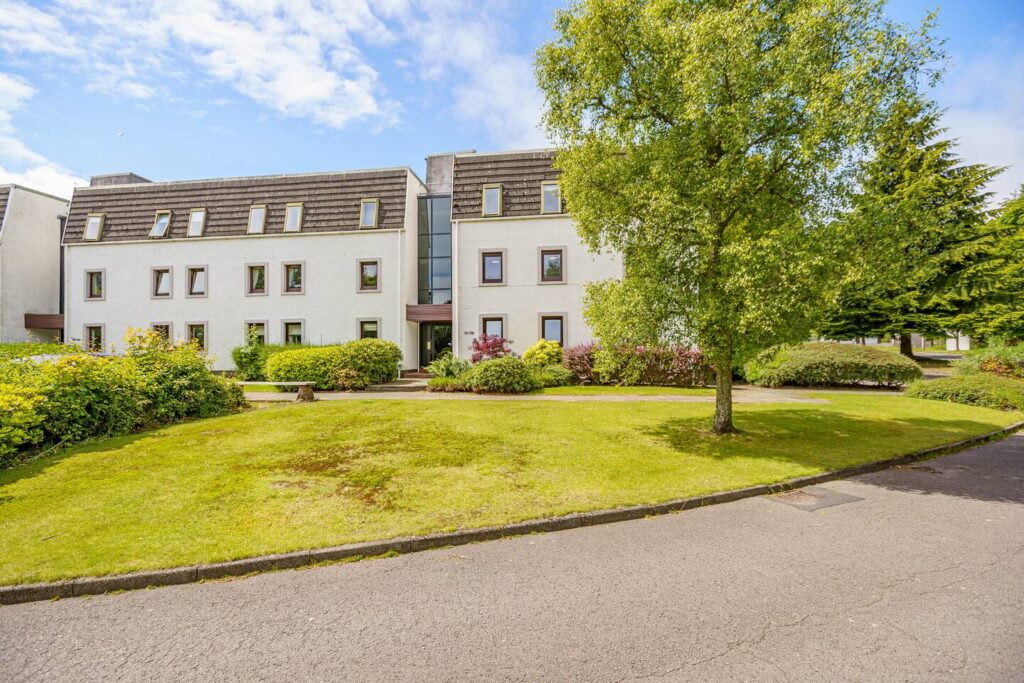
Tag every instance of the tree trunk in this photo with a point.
(906, 345)
(723, 398)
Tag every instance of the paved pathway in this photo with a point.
(920, 576)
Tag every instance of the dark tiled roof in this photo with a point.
(520, 175)
(330, 203)
(5, 193)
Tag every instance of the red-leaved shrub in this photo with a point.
(488, 346)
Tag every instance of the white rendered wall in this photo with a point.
(29, 263)
(330, 306)
(523, 299)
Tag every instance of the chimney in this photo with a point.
(116, 179)
(440, 172)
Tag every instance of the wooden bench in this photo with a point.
(305, 389)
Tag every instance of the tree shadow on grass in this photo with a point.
(828, 440)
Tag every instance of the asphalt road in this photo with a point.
(916, 574)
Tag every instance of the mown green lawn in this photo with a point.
(302, 476)
(596, 390)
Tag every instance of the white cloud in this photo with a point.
(24, 28)
(985, 100)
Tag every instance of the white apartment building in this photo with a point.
(482, 246)
(30, 263)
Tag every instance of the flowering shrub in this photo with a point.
(488, 346)
(543, 353)
(579, 360)
(653, 365)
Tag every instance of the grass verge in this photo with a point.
(313, 475)
(602, 390)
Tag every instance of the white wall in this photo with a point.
(29, 262)
(330, 305)
(523, 299)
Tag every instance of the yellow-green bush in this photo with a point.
(830, 364)
(376, 359)
(20, 419)
(543, 353)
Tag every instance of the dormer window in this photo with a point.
(196, 223)
(550, 198)
(257, 219)
(368, 212)
(293, 218)
(491, 200)
(161, 224)
(94, 226)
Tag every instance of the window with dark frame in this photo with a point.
(493, 267)
(196, 332)
(163, 329)
(162, 283)
(553, 328)
(369, 276)
(257, 329)
(94, 284)
(94, 338)
(257, 280)
(293, 333)
(293, 278)
(551, 265)
(368, 329)
(197, 281)
(494, 327)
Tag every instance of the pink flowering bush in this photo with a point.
(488, 346)
(579, 360)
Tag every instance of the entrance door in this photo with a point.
(434, 338)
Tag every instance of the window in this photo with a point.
(257, 219)
(550, 198)
(492, 267)
(161, 224)
(196, 333)
(161, 283)
(435, 250)
(493, 326)
(93, 338)
(94, 285)
(293, 278)
(163, 329)
(491, 200)
(369, 276)
(196, 223)
(197, 281)
(94, 226)
(257, 329)
(552, 328)
(368, 210)
(293, 218)
(368, 329)
(256, 279)
(293, 331)
(552, 265)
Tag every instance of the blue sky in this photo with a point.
(175, 89)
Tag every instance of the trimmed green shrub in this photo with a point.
(27, 349)
(378, 359)
(505, 375)
(989, 391)
(20, 420)
(543, 353)
(447, 384)
(447, 365)
(251, 358)
(348, 379)
(552, 376)
(318, 364)
(830, 364)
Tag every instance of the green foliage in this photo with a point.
(989, 391)
(505, 375)
(347, 379)
(446, 365)
(20, 420)
(375, 359)
(996, 359)
(710, 143)
(830, 364)
(251, 358)
(447, 384)
(633, 365)
(543, 353)
(547, 376)
(26, 349)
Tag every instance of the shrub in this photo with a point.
(505, 375)
(551, 376)
(543, 353)
(989, 391)
(26, 349)
(447, 384)
(251, 358)
(446, 365)
(830, 364)
(377, 359)
(488, 346)
(319, 364)
(579, 360)
(20, 420)
(652, 365)
(348, 379)
(1005, 361)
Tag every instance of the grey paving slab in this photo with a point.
(920, 580)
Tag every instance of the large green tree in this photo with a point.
(710, 142)
(924, 213)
